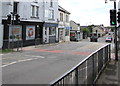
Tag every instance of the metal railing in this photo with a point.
(87, 71)
(16, 44)
(118, 42)
(37, 42)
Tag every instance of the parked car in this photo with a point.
(74, 35)
(93, 39)
(108, 39)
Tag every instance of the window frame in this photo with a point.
(33, 10)
(37, 11)
(61, 16)
(51, 3)
(15, 7)
(67, 18)
(51, 14)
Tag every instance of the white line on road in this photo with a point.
(18, 62)
(10, 64)
(35, 56)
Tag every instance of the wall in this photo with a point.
(119, 28)
(1, 41)
(26, 14)
(47, 8)
(74, 26)
(1, 28)
(7, 8)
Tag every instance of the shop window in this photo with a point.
(52, 31)
(66, 32)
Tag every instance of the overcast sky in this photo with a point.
(87, 12)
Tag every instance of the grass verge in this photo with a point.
(6, 51)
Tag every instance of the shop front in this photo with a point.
(24, 34)
(50, 33)
(32, 33)
(67, 33)
(61, 33)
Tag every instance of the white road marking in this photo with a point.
(9, 64)
(18, 62)
(35, 56)
(25, 60)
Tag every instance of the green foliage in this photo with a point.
(6, 51)
(86, 30)
(90, 27)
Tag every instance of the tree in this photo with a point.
(90, 27)
(86, 32)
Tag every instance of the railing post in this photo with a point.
(76, 76)
(93, 67)
(109, 52)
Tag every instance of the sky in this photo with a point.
(87, 12)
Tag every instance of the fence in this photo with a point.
(13, 44)
(87, 71)
(118, 44)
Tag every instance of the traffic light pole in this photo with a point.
(115, 39)
(12, 25)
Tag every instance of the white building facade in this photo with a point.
(75, 31)
(38, 21)
(119, 24)
(50, 27)
(64, 25)
(1, 28)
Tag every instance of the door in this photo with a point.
(46, 35)
(61, 35)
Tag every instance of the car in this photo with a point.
(93, 39)
(108, 39)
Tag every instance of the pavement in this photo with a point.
(111, 73)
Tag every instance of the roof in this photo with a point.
(83, 26)
(62, 9)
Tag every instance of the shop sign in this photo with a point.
(67, 28)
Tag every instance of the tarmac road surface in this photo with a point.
(43, 65)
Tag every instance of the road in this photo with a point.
(102, 40)
(43, 65)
